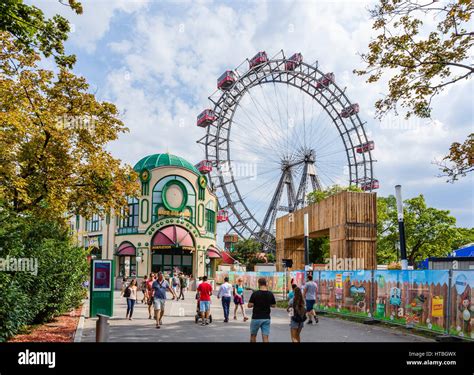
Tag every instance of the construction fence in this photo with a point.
(435, 300)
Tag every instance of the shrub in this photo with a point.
(27, 298)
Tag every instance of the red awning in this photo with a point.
(227, 258)
(126, 248)
(172, 236)
(213, 252)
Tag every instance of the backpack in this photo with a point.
(127, 292)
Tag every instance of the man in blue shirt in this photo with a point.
(160, 286)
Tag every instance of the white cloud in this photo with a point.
(166, 63)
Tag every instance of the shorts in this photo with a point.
(159, 303)
(263, 324)
(310, 304)
(204, 306)
(150, 300)
(239, 300)
(296, 325)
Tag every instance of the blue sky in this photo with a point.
(158, 62)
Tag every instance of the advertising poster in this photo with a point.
(101, 276)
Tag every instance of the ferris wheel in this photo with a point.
(279, 128)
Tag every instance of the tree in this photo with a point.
(29, 28)
(425, 63)
(466, 236)
(52, 141)
(429, 231)
(318, 250)
(460, 160)
(56, 287)
(317, 196)
(245, 251)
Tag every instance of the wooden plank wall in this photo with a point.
(348, 218)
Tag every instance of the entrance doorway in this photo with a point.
(172, 260)
(127, 266)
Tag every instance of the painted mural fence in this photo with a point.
(276, 281)
(436, 300)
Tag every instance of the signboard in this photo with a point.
(101, 287)
(338, 286)
(164, 212)
(102, 276)
(437, 307)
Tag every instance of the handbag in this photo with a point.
(127, 292)
(297, 318)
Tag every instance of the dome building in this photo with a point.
(170, 227)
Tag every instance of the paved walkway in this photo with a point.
(179, 326)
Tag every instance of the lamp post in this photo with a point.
(401, 227)
(207, 261)
(306, 239)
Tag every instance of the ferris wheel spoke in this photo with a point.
(262, 135)
(269, 129)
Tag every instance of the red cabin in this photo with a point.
(350, 111)
(364, 147)
(231, 238)
(325, 80)
(222, 216)
(294, 61)
(206, 118)
(226, 80)
(258, 59)
(370, 185)
(204, 166)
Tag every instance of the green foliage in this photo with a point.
(465, 236)
(27, 298)
(429, 231)
(420, 64)
(420, 61)
(318, 195)
(245, 252)
(318, 250)
(30, 29)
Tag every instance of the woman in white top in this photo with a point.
(131, 294)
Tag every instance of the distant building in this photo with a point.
(460, 259)
(170, 227)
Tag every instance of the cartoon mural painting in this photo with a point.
(463, 283)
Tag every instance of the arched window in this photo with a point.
(158, 204)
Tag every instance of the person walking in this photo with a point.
(239, 298)
(261, 301)
(291, 294)
(150, 292)
(175, 284)
(205, 292)
(182, 285)
(160, 287)
(298, 316)
(130, 293)
(225, 292)
(309, 294)
(143, 289)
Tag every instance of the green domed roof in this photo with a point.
(164, 160)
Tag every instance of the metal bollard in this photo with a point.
(102, 328)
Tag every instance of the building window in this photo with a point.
(210, 217)
(94, 224)
(158, 204)
(130, 218)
